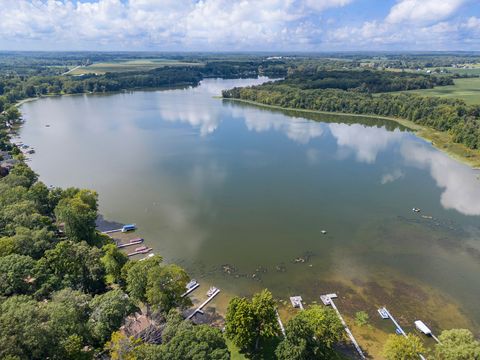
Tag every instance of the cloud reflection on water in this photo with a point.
(460, 183)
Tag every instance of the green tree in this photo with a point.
(361, 318)
(79, 213)
(165, 285)
(16, 274)
(122, 347)
(403, 347)
(22, 333)
(310, 334)
(457, 344)
(248, 322)
(137, 276)
(113, 260)
(107, 313)
(67, 313)
(183, 340)
(71, 264)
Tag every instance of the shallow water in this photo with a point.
(211, 183)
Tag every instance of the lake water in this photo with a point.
(235, 193)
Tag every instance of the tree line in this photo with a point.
(448, 115)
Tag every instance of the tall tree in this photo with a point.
(403, 348)
(16, 275)
(248, 322)
(165, 285)
(71, 264)
(107, 313)
(78, 214)
(457, 344)
(311, 334)
(113, 260)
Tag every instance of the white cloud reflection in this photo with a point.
(365, 142)
(297, 129)
(460, 183)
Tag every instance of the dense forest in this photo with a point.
(362, 92)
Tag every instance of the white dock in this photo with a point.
(282, 328)
(202, 305)
(111, 231)
(327, 300)
(190, 290)
(399, 328)
(296, 302)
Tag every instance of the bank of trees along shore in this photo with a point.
(357, 92)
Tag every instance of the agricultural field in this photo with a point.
(467, 89)
(128, 65)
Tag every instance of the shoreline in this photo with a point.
(440, 140)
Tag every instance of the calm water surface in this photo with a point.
(215, 184)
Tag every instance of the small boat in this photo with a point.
(136, 240)
(324, 232)
(141, 248)
(211, 291)
(129, 227)
(383, 313)
(416, 210)
(191, 284)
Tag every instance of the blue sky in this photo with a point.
(241, 25)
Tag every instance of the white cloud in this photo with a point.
(163, 23)
(423, 11)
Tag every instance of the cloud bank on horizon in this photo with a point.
(226, 25)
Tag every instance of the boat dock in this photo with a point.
(282, 328)
(202, 305)
(296, 302)
(138, 251)
(327, 300)
(398, 327)
(111, 231)
(191, 286)
(130, 243)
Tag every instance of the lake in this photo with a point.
(239, 195)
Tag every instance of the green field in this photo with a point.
(465, 89)
(129, 65)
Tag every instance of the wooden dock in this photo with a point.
(327, 300)
(202, 305)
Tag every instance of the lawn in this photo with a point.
(465, 89)
(129, 65)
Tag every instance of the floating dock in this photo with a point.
(202, 305)
(327, 300)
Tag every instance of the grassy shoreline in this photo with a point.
(440, 140)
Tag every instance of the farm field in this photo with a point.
(465, 89)
(130, 65)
